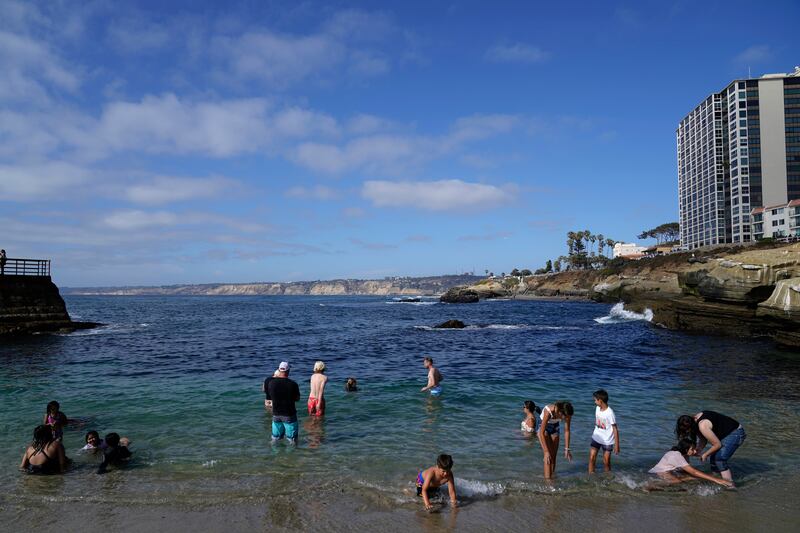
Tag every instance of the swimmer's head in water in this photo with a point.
(319, 366)
(93, 438)
(53, 408)
(351, 385)
(112, 439)
(530, 406)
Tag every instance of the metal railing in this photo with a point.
(25, 267)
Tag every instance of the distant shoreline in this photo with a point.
(395, 286)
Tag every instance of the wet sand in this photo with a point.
(764, 507)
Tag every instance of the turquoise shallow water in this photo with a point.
(181, 377)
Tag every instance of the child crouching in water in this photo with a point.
(436, 476)
(675, 463)
(115, 453)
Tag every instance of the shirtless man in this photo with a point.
(434, 378)
(316, 394)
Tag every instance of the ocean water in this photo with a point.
(181, 377)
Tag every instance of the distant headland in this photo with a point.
(400, 286)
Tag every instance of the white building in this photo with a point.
(628, 250)
(738, 150)
(777, 221)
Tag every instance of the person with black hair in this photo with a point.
(549, 433)
(606, 433)
(531, 423)
(45, 455)
(115, 453)
(436, 476)
(54, 418)
(710, 427)
(2, 262)
(675, 463)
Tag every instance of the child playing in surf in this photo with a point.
(674, 467)
(434, 477)
(94, 443)
(549, 433)
(434, 378)
(116, 454)
(55, 419)
(606, 434)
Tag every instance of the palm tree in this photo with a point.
(600, 243)
(610, 243)
(593, 239)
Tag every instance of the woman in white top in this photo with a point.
(530, 424)
(675, 463)
(549, 433)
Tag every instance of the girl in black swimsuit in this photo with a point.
(45, 455)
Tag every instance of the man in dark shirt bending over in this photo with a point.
(284, 393)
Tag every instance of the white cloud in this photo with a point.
(168, 125)
(133, 219)
(347, 42)
(164, 189)
(372, 245)
(27, 182)
(393, 153)
(754, 55)
(296, 122)
(363, 123)
(443, 195)
(29, 70)
(516, 53)
(318, 192)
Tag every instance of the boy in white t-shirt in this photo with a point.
(606, 434)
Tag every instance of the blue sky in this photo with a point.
(190, 142)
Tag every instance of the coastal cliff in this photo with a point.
(400, 286)
(742, 291)
(32, 304)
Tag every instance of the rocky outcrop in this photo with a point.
(744, 291)
(451, 324)
(460, 295)
(32, 304)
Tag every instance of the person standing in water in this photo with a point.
(284, 393)
(434, 378)
(722, 432)
(316, 393)
(550, 431)
(606, 433)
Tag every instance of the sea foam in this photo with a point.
(619, 314)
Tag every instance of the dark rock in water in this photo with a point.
(410, 300)
(32, 304)
(451, 324)
(460, 295)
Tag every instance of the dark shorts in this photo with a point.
(552, 429)
(604, 447)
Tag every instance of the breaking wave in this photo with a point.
(619, 314)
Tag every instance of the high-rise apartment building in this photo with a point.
(738, 150)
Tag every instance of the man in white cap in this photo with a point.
(284, 393)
